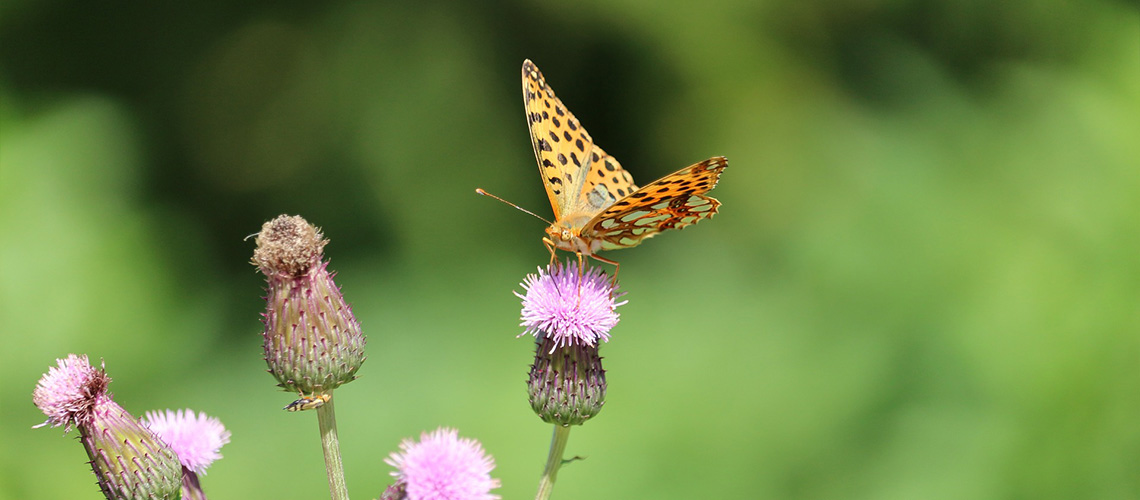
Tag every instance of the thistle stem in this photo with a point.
(553, 461)
(326, 418)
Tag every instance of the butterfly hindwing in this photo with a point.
(672, 202)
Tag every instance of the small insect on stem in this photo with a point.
(308, 402)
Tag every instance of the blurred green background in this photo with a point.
(924, 282)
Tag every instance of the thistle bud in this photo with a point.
(397, 491)
(569, 311)
(129, 461)
(312, 341)
(567, 384)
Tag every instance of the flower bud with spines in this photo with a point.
(129, 460)
(567, 384)
(312, 341)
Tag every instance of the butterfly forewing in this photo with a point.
(672, 202)
(561, 145)
(606, 183)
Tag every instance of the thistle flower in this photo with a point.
(195, 438)
(441, 466)
(313, 343)
(67, 392)
(568, 311)
(568, 306)
(129, 461)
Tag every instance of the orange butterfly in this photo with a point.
(596, 204)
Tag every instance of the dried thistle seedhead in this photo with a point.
(288, 245)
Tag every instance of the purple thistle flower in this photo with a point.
(67, 392)
(568, 306)
(195, 438)
(128, 460)
(442, 466)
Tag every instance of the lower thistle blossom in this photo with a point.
(441, 466)
(128, 460)
(195, 438)
(568, 311)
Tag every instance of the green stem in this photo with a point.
(326, 417)
(553, 461)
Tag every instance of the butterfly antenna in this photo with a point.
(484, 193)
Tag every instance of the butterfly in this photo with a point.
(596, 204)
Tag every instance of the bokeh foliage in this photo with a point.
(924, 281)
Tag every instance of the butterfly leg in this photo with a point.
(580, 271)
(616, 264)
(550, 247)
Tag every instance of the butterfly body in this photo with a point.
(596, 204)
(565, 237)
